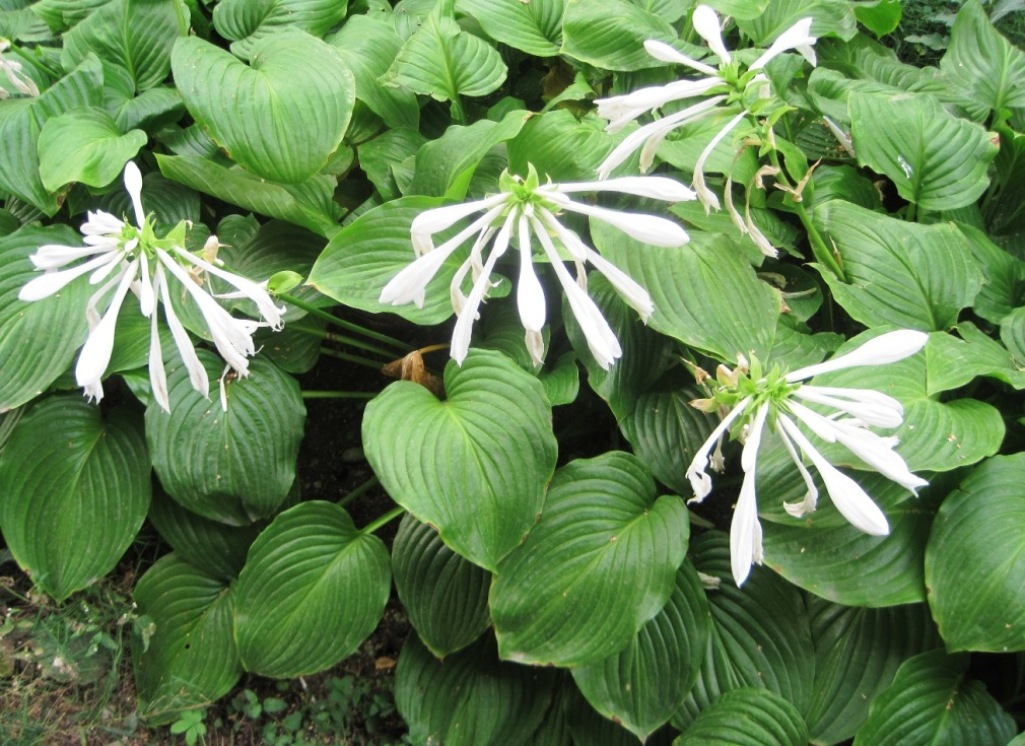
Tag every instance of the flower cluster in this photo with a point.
(755, 399)
(123, 257)
(730, 90)
(525, 211)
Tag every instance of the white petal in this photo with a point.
(254, 291)
(646, 228)
(51, 256)
(621, 110)
(699, 479)
(429, 222)
(847, 495)
(797, 37)
(460, 345)
(884, 349)
(707, 196)
(47, 284)
(745, 530)
(810, 500)
(535, 343)
(197, 373)
(665, 53)
(706, 23)
(157, 374)
(147, 298)
(635, 296)
(871, 407)
(601, 340)
(100, 223)
(652, 187)
(530, 296)
(133, 183)
(96, 352)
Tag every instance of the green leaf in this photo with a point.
(74, 490)
(233, 466)
(488, 445)
(309, 204)
(136, 35)
(313, 588)
(857, 653)
(600, 563)
(898, 273)
(935, 160)
(534, 27)
(472, 698)
(369, 44)
(881, 17)
(443, 61)
(445, 596)
(560, 146)
(281, 118)
(190, 659)
(219, 550)
(985, 71)
(826, 555)
(1004, 286)
(610, 34)
(829, 18)
(931, 700)
(976, 354)
(84, 145)
(936, 435)
(444, 167)
(760, 634)
(247, 22)
(705, 295)
(741, 9)
(38, 339)
(747, 717)
(360, 260)
(975, 562)
(381, 159)
(22, 122)
(641, 686)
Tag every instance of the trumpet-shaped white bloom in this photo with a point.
(778, 399)
(13, 71)
(725, 84)
(526, 211)
(123, 257)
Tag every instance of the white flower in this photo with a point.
(12, 69)
(126, 257)
(856, 410)
(522, 212)
(725, 83)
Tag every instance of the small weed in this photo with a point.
(190, 724)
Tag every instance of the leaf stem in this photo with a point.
(345, 340)
(348, 325)
(339, 394)
(387, 518)
(358, 491)
(357, 359)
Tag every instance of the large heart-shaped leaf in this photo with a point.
(610, 34)
(534, 27)
(760, 634)
(282, 117)
(857, 653)
(313, 588)
(601, 562)
(84, 145)
(747, 717)
(443, 61)
(975, 560)
(705, 295)
(643, 685)
(445, 596)
(898, 273)
(38, 339)
(471, 698)
(183, 653)
(246, 22)
(74, 490)
(233, 466)
(932, 700)
(935, 159)
(986, 72)
(136, 35)
(475, 465)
